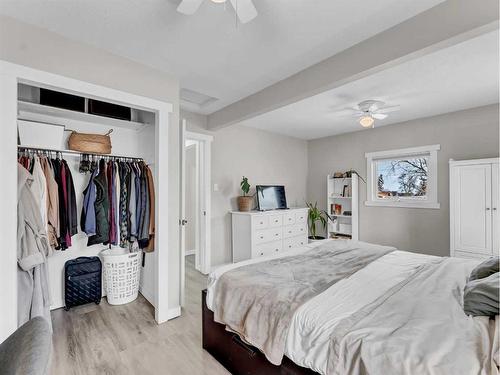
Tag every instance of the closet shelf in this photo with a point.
(51, 115)
(77, 153)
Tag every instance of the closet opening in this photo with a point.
(36, 135)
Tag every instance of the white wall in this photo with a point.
(31, 46)
(263, 157)
(466, 134)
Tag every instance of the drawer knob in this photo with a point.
(262, 222)
(261, 253)
(275, 221)
(261, 237)
(276, 234)
(289, 231)
(276, 249)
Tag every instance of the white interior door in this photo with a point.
(473, 210)
(182, 219)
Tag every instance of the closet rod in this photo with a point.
(76, 153)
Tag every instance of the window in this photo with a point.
(403, 178)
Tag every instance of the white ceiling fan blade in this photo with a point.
(244, 9)
(379, 116)
(189, 7)
(358, 113)
(390, 109)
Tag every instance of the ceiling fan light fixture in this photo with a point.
(218, 1)
(366, 121)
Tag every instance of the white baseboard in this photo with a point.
(190, 252)
(173, 312)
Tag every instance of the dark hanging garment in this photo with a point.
(123, 204)
(101, 207)
(143, 233)
(59, 175)
(71, 204)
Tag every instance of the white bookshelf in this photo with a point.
(347, 198)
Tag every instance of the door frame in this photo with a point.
(10, 75)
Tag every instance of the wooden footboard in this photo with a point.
(236, 356)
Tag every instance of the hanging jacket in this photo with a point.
(87, 218)
(132, 206)
(72, 225)
(124, 188)
(101, 207)
(32, 250)
(144, 218)
(58, 175)
(52, 203)
(151, 189)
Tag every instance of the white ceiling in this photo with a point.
(459, 77)
(206, 51)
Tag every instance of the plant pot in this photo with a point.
(245, 203)
(316, 239)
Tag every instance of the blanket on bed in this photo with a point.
(257, 301)
(417, 327)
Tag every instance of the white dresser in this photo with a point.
(474, 199)
(257, 234)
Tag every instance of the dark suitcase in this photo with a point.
(82, 281)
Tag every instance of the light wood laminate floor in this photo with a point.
(105, 339)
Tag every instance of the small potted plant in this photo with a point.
(245, 200)
(315, 215)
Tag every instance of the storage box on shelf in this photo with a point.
(342, 206)
(257, 234)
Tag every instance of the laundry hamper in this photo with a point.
(122, 272)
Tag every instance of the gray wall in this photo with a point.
(263, 157)
(466, 134)
(37, 48)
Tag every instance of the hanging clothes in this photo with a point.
(32, 251)
(101, 207)
(72, 227)
(151, 189)
(52, 203)
(121, 211)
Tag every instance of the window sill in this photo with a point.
(428, 205)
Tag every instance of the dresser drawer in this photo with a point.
(267, 248)
(294, 230)
(289, 218)
(301, 217)
(267, 235)
(293, 242)
(275, 220)
(260, 222)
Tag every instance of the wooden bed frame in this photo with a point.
(236, 356)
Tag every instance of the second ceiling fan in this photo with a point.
(245, 10)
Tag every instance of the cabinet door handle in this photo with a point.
(487, 208)
(494, 208)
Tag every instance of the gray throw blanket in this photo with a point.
(257, 301)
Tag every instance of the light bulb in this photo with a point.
(366, 121)
(218, 1)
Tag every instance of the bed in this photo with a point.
(364, 308)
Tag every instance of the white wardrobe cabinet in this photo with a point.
(474, 198)
(257, 234)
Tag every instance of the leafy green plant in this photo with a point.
(315, 215)
(245, 186)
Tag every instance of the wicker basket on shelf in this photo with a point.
(91, 143)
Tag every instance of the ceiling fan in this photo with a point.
(370, 110)
(245, 10)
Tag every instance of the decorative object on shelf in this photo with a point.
(315, 215)
(350, 172)
(91, 143)
(338, 209)
(245, 200)
(338, 175)
(347, 213)
(345, 191)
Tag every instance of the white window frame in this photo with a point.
(432, 181)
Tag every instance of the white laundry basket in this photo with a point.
(122, 271)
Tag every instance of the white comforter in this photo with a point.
(314, 322)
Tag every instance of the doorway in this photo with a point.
(195, 204)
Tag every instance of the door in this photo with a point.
(473, 210)
(495, 198)
(182, 219)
